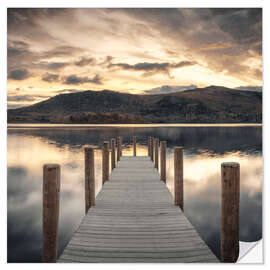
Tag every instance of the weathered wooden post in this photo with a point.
(118, 148)
(89, 178)
(150, 143)
(134, 146)
(178, 177)
(113, 153)
(152, 148)
(121, 143)
(105, 162)
(230, 185)
(163, 145)
(156, 142)
(148, 146)
(51, 193)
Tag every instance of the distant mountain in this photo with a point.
(213, 104)
(166, 89)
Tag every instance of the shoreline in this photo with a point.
(47, 125)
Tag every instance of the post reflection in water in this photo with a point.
(205, 148)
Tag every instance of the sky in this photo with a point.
(140, 51)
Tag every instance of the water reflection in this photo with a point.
(205, 149)
(202, 194)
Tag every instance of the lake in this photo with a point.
(205, 148)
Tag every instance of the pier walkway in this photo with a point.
(135, 220)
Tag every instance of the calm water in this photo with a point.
(205, 149)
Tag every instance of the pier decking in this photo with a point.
(135, 220)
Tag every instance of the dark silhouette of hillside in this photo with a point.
(213, 104)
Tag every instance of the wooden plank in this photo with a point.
(140, 246)
(173, 240)
(80, 251)
(135, 220)
(185, 259)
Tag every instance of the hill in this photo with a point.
(212, 104)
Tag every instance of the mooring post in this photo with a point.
(134, 146)
(163, 145)
(118, 148)
(51, 193)
(89, 178)
(156, 142)
(150, 142)
(230, 186)
(105, 162)
(152, 148)
(121, 143)
(178, 177)
(148, 146)
(113, 153)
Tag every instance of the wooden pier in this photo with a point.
(135, 220)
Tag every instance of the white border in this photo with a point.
(139, 3)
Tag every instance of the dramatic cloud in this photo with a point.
(152, 68)
(166, 89)
(221, 32)
(54, 65)
(21, 48)
(17, 48)
(71, 79)
(107, 61)
(19, 74)
(49, 77)
(25, 97)
(74, 79)
(244, 26)
(190, 46)
(68, 91)
(20, 56)
(61, 51)
(85, 61)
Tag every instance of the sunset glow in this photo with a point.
(53, 51)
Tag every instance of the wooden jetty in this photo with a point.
(135, 219)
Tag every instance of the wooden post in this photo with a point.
(113, 154)
(230, 183)
(134, 146)
(118, 148)
(51, 192)
(89, 178)
(163, 161)
(156, 153)
(121, 143)
(148, 146)
(178, 177)
(152, 148)
(105, 162)
(150, 140)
